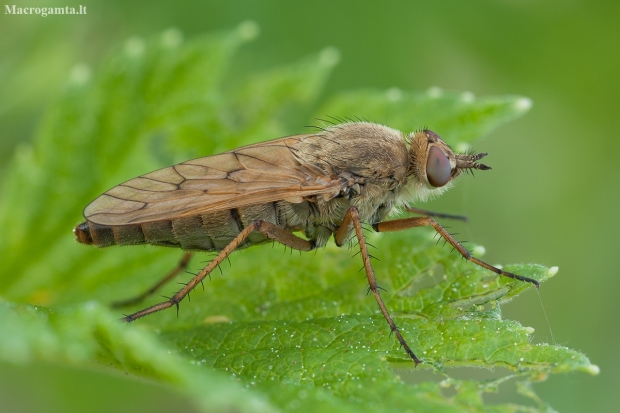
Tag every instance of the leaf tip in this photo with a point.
(80, 74)
(171, 37)
(479, 251)
(394, 94)
(248, 30)
(468, 97)
(434, 92)
(522, 105)
(329, 57)
(135, 46)
(593, 369)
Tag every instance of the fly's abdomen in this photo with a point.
(157, 233)
(206, 232)
(221, 227)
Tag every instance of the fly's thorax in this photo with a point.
(370, 160)
(377, 202)
(314, 217)
(374, 203)
(368, 150)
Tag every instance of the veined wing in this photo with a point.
(255, 174)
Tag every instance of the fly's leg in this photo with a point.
(270, 230)
(435, 214)
(406, 223)
(134, 300)
(352, 219)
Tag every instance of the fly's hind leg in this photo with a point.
(134, 300)
(352, 218)
(270, 230)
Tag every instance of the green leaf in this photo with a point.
(277, 331)
(459, 118)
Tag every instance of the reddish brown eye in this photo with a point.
(437, 167)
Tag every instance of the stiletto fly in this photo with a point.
(323, 184)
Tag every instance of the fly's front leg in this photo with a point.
(406, 223)
(270, 230)
(352, 218)
(180, 267)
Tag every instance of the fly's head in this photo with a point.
(433, 165)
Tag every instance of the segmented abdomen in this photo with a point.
(206, 232)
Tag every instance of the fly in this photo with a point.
(322, 185)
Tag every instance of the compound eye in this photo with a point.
(438, 168)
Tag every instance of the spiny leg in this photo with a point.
(180, 267)
(406, 223)
(270, 230)
(435, 214)
(352, 218)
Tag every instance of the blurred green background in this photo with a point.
(553, 195)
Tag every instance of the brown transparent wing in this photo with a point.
(254, 174)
